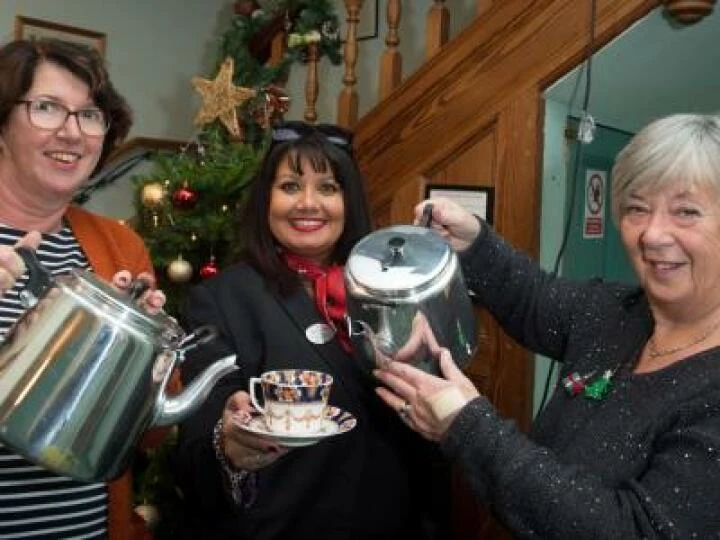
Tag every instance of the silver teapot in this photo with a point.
(406, 297)
(83, 373)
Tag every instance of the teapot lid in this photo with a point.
(398, 258)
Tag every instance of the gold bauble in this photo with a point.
(179, 271)
(150, 515)
(152, 195)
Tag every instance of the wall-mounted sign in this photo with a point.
(594, 221)
(476, 199)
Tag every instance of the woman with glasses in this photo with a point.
(59, 118)
(282, 307)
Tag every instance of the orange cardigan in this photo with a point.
(111, 247)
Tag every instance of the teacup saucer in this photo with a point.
(336, 422)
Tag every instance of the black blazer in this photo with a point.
(378, 481)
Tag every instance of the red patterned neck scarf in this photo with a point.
(329, 287)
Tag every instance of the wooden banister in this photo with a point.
(391, 61)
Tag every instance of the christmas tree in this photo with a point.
(186, 210)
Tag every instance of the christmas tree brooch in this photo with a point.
(596, 388)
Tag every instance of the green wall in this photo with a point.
(595, 257)
(584, 258)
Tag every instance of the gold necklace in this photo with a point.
(654, 352)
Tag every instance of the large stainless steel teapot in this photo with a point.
(83, 374)
(406, 296)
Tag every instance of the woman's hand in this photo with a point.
(11, 265)
(151, 300)
(242, 449)
(427, 403)
(452, 221)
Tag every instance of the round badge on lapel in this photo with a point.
(319, 333)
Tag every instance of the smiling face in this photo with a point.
(673, 239)
(48, 165)
(307, 211)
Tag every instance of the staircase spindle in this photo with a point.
(348, 101)
(438, 27)
(391, 61)
(311, 84)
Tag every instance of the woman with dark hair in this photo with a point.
(59, 118)
(283, 307)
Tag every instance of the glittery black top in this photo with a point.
(644, 462)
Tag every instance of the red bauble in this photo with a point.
(209, 269)
(185, 198)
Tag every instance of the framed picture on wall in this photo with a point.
(476, 199)
(29, 28)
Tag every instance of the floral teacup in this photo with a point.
(294, 400)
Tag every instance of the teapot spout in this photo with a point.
(172, 410)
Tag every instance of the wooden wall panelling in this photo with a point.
(472, 163)
(517, 206)
(408, 194)
(484, 6)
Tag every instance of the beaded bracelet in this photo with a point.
(241, 482)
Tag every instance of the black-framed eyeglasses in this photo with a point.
(51, 115)
(293, 130)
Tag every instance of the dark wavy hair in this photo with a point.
(258, 245)
(20, 59)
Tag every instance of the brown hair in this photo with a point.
(20, 59)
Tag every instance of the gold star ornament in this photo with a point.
(221, 98)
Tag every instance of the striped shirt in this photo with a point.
(35, 503)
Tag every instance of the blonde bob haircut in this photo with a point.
(682, 149)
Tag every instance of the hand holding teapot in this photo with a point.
(455, 224)
(13, 267)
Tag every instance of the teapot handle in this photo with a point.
(137, 288)
(40, 279)
(426, 218)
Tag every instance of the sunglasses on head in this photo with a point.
(292, 131)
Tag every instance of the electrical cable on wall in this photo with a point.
(585, 135)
